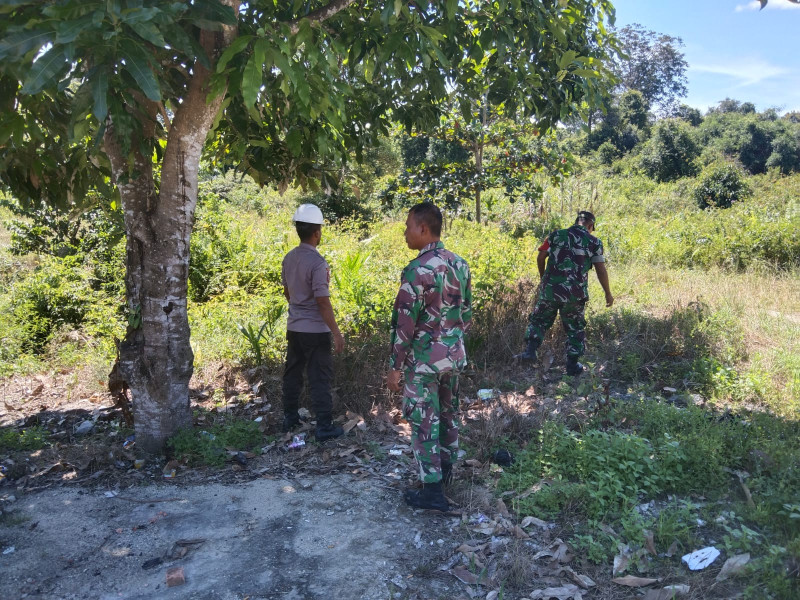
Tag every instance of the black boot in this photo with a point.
(447, 472)
(290, 421)
(529, 355)
(430, 497)
(573, 366)
(326, 430)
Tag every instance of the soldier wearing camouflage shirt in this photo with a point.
(569, 255)
(432, 312)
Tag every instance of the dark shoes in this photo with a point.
(429, 497)
(573, 366)
(290, 421)
(328, 431)
(529, 355)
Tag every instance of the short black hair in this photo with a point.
(428, 213)
(306, 230)
(585, 217)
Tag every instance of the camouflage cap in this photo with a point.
(585, 215)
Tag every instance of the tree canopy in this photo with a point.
(653, 64)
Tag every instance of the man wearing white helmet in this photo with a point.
(311, 329)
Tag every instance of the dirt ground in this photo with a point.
(332, 536)
(88, 516)
(79, 520)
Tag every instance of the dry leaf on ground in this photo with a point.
(633, 581)
(463, 575)
(558, 551)
(733, 566)
(668, 592)
(528, 521)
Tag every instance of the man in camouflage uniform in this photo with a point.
(569, 254)
(432, 312)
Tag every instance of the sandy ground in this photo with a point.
(331, 537)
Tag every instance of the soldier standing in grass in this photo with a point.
(569, 254)
(432, 311)
(311, 326)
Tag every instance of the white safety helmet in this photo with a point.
(307, 213)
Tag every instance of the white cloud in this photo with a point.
(744, 72)
(771, 5)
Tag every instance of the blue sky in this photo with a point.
(733, 49)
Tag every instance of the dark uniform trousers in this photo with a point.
(311, 350)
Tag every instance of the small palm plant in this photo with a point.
(259, 338)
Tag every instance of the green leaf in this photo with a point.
(137, 63)
(294, 140)
(251, 80)
(432, 33)
(452, 8)
(237, 45)
(137, 16)
(151, 33)
(280, 61)
(100, 95)
(44, 71)
(67, 31)
(567, 58)
(19, 43)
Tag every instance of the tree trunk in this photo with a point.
(156, 358)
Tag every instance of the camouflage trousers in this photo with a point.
(572, 318)
(430, 403)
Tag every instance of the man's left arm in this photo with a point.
(466, 303)
(599, 264)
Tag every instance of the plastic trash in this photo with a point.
(486, 394)
(208, 435)
(700, 559)
(138, 463)
(129, 442)
(298, 441)
(84, 428)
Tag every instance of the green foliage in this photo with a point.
(671, 151)
(210, 446)
(31, 438)
(258, 339)
(53, 296)
(721, 186)
(414, 150)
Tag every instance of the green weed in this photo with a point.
(209, 446)
(32, 438)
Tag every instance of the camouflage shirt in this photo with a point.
(432, 312)
(571, 253)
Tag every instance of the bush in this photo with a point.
(721, 186)
(53, 296)
(671, 151)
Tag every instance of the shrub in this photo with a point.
(54, 295)
(721, 186)
(671, 151)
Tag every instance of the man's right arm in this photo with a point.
(541, 260)
(602, 277)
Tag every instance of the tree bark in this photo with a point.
(156, 358)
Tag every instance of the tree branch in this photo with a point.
(321, 14)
